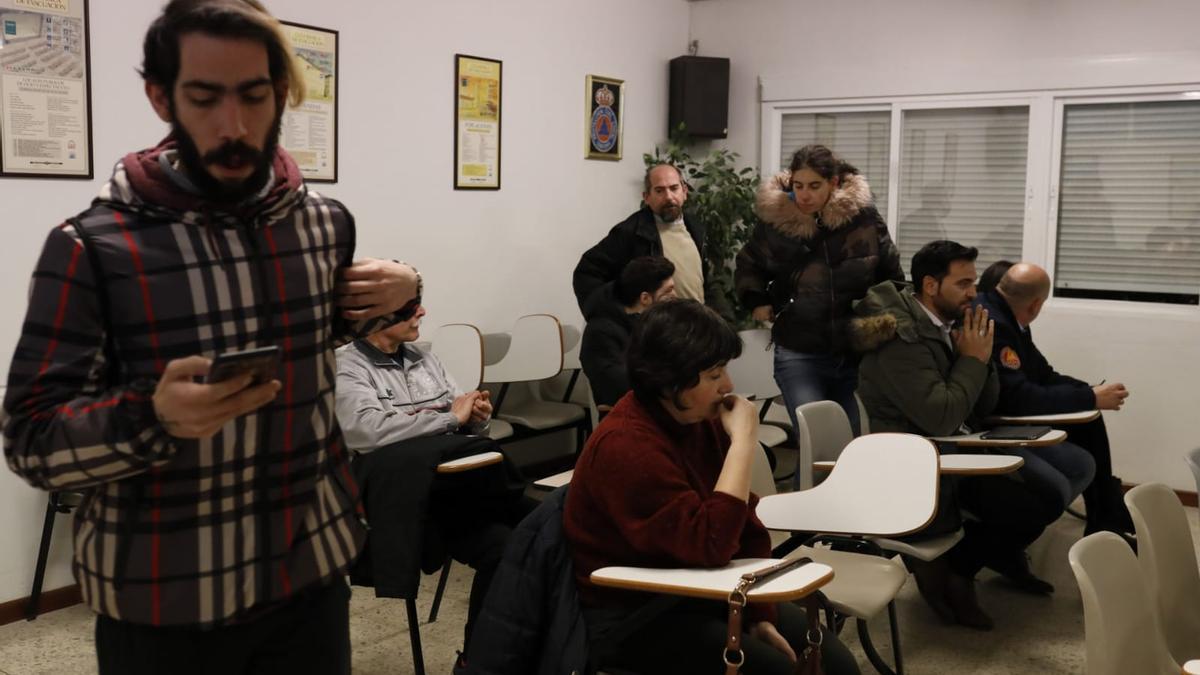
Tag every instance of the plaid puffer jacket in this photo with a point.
(175, 531)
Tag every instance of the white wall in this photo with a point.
(487, 257)
(879, 48)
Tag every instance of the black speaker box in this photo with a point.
(699, 96)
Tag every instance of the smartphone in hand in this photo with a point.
(262, 362)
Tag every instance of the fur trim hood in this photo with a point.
(889, 311)
(774, 204)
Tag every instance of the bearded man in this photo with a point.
(219, 518)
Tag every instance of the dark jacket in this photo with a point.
(1028, 385)
(605, 339)
(909, 380)
(810, 269)
(601, 264)
(531, 622)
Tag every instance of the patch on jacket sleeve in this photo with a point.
(1009, 358)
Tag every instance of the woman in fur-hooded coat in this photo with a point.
(821, 244)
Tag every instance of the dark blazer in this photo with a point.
(600, 265)
(1028, 384)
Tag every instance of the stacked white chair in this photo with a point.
(1167, 556)
(1120, 626)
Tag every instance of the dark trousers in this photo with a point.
(1007, 517)
(689, 638)
(308, 634)
(473, 533)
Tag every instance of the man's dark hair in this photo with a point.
(237, 19)
(673, 343)
(652, 167)
(642, 275)
(934, 258)
(990, 279)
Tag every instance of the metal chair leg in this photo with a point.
(39, 571)
(441, 588)
(414, 635)
(896, 657)
(864, 637)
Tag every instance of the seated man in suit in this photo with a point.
(391, 393)
(921, 375)
(1030, 386)
(643, 282)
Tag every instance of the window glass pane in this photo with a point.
(962, 177)
(1129, 202)
(861, 138)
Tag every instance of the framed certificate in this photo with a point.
(602, 121)
(309, 132)
(45, 89)
(477, 104)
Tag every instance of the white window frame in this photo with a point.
(1040, 228)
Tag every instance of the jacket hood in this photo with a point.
(889, 310)
(140, 183)
(774, 204)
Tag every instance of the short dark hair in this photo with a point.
(642, 275)
(822, 161)
(990, 279)
(673, 343)
(651, 167)
(934, 258)
(238, 19)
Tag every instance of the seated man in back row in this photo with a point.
(1030, 386)
(643, 282)
(919, 375)
(391, 394)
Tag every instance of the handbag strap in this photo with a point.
(732, 654)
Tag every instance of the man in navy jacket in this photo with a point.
(1030, 386)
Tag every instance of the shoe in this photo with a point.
(931, 583)
(1015, 569)
(960, 595)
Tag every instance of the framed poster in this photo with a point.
(309, 132)
(45, 89)
(477, 88)
(602, 123)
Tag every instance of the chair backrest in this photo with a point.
(535, 351)
(1193, 460)
(753, 373)
(572, 341)
(762, 479)
(822, 432)
(459, 346)
(1168, 559)
(1120, 629)
(864, 421)
(882, 485)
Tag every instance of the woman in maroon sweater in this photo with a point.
(665, 482)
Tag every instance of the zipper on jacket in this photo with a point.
(832, 292)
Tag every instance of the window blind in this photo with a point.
(1129, 202)
(962, 177)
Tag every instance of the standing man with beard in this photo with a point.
(219, 518)
(658, 228)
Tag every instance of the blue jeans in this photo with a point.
(804, 378)
(1057, 472)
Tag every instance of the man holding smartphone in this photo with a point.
(219, 517)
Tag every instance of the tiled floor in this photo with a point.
(1033, 635)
